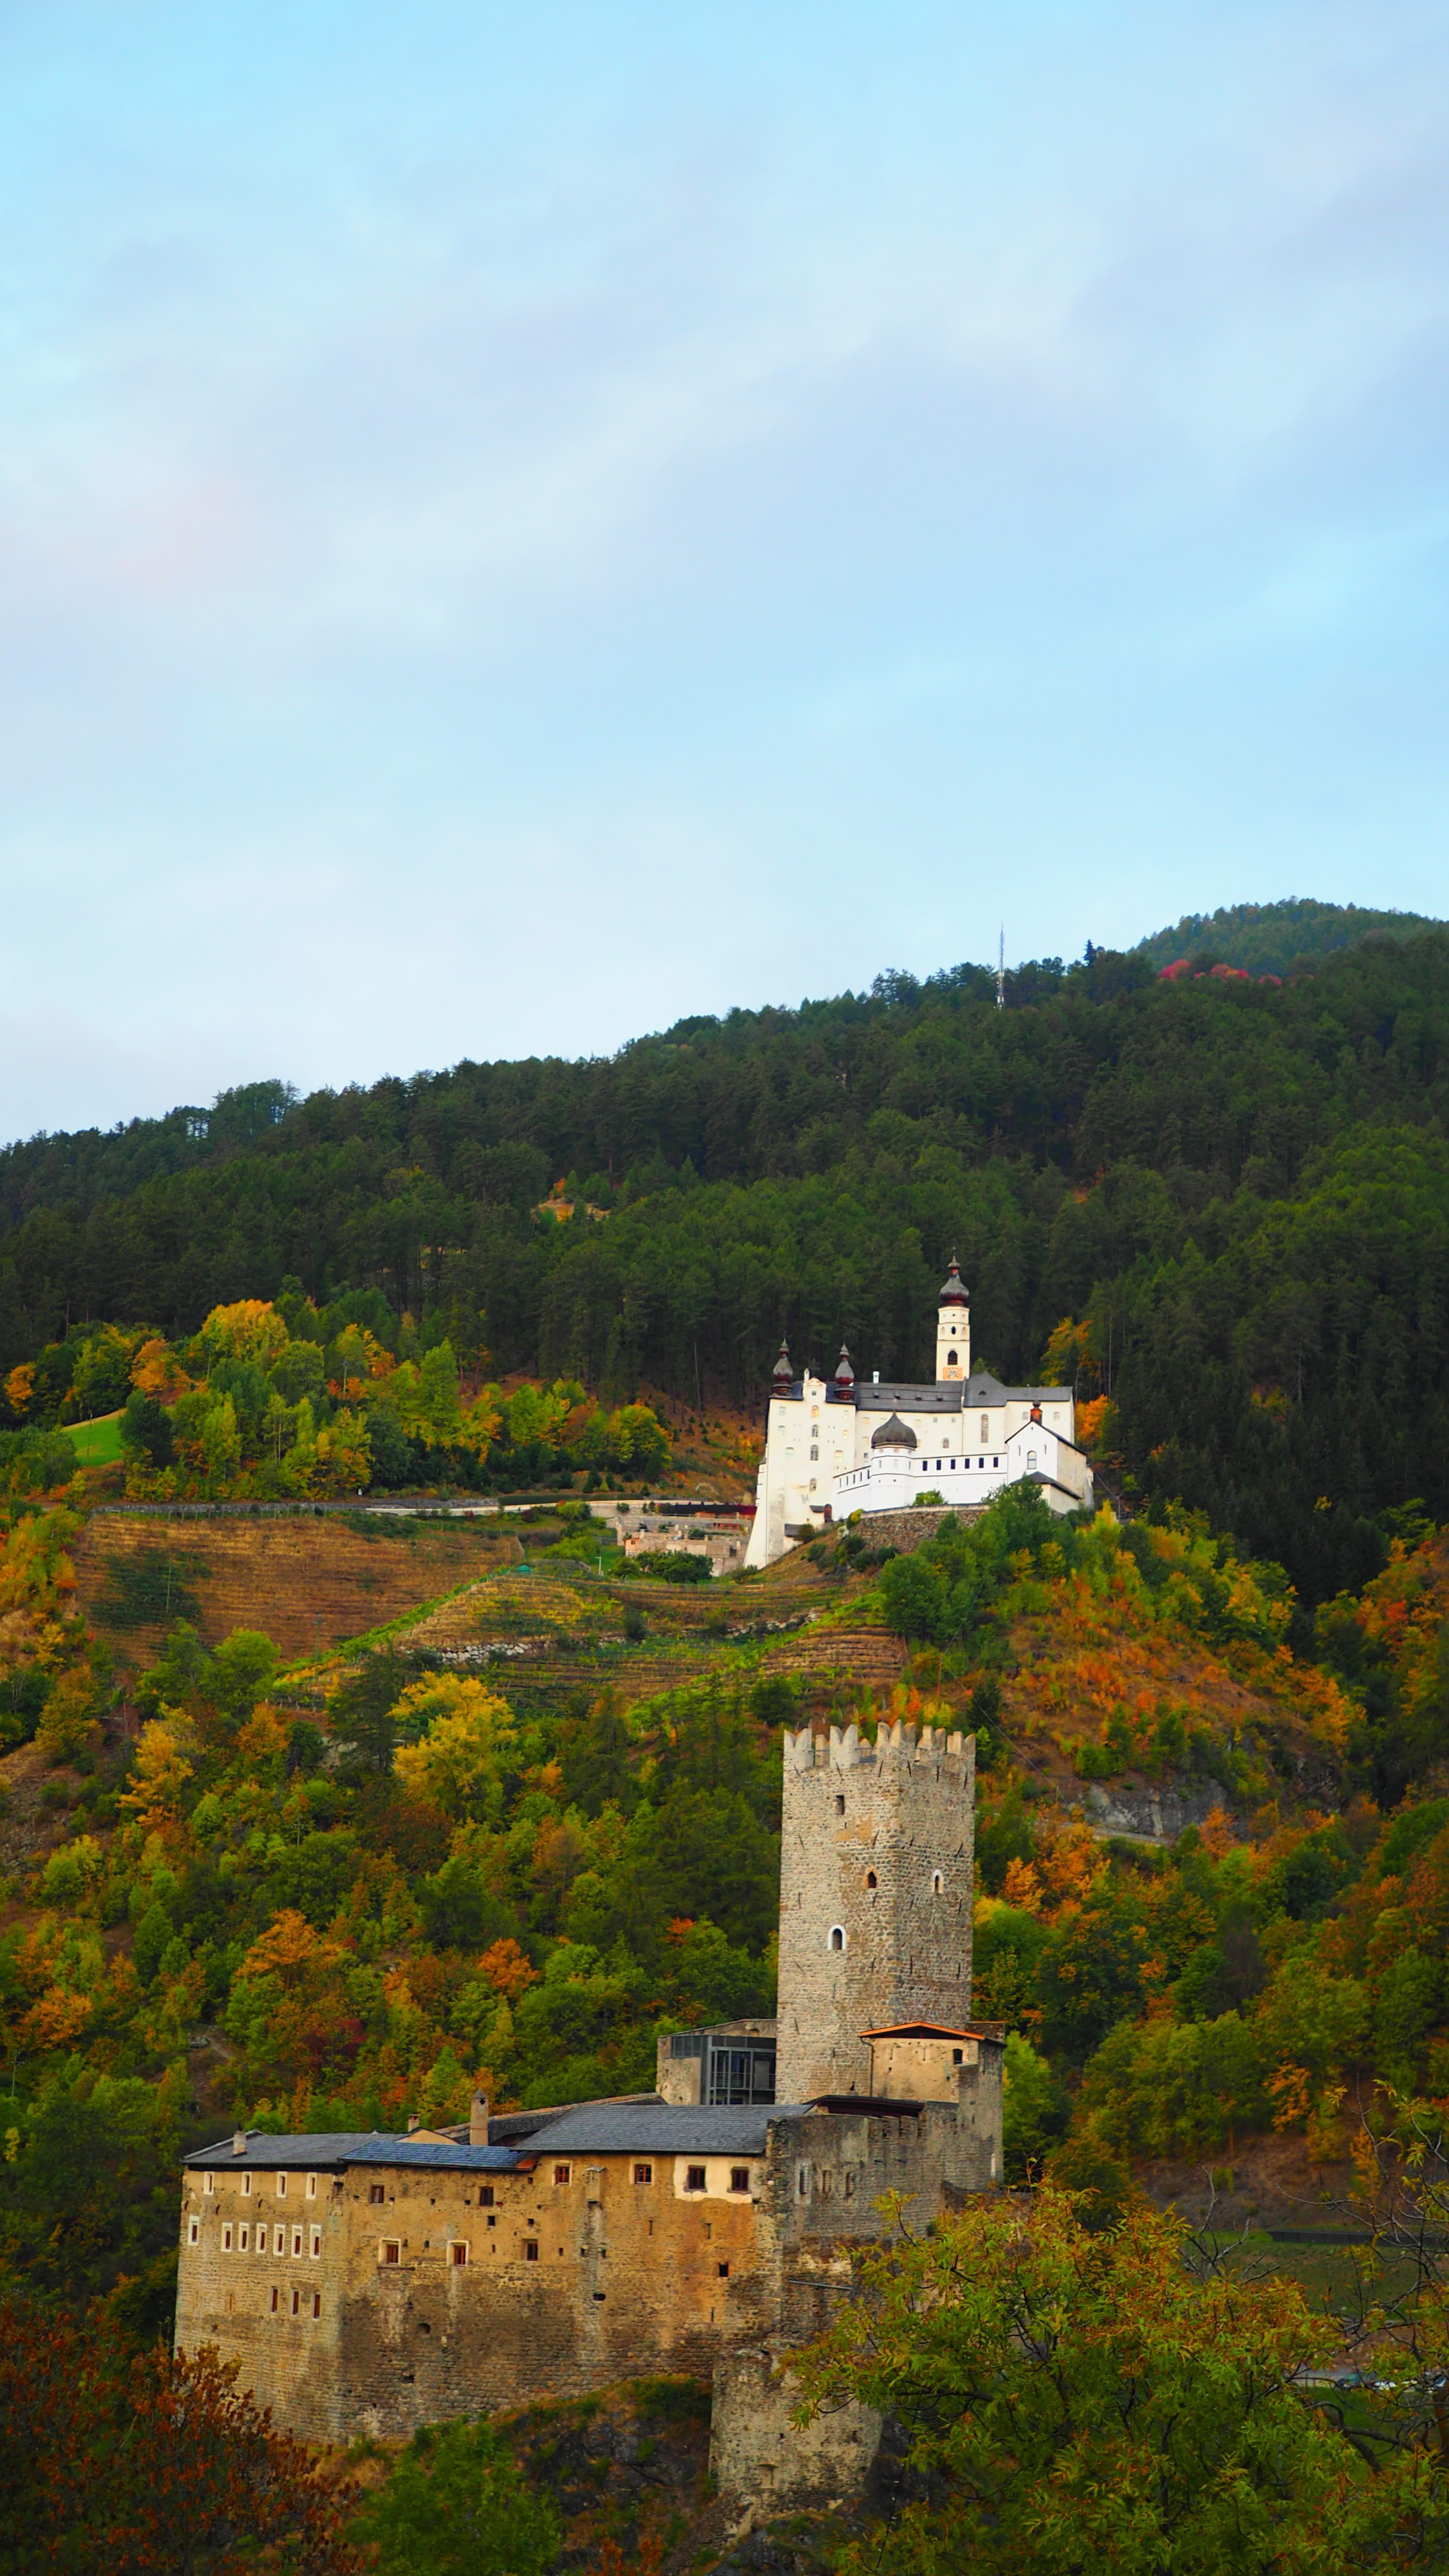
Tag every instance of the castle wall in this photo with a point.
(628, 2277)
(261, 2276)
(875, 1897)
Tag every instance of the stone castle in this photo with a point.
(835, 1446)
(369, 2284)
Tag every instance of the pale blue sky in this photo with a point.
(518, 525)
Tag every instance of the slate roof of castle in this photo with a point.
(334, 2147)
(666, 2129)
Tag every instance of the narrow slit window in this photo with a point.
(377, 2193)
(316, 2245)
(243, 2239)
(837, 1936)
(276, 2300)
(193, 2231)
(226, 2240)
(316, 2303)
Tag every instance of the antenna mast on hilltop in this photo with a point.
(1001, 971)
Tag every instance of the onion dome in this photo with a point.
(894, 1434)
(844, 1373)
(952, 1292)
(782, 1375)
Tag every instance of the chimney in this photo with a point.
(239, 2142)
(478, 2120)
(413, 2117)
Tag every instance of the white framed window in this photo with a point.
(279, 2240)
(246, 2186)
(281, 2186)
(937, 1884)
(458, 2253)
(315, 2248)
(261, 2240)
(389, 2252)
(209, 2184)
(311, 2186)
(296, 2240)
(193, 2231)
(243, 2239)
(837, 1936)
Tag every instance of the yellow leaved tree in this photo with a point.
(470, 1737)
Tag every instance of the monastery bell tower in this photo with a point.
(953, 1331)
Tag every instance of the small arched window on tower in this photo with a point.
(937, 1884)
(837, 1936)
(870, 1878)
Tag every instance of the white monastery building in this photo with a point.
(835, 1446)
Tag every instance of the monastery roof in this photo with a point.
(910, 1399)
(335, 2147)
(668, 2129)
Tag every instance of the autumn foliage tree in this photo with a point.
(1079, 2400)
(148, 2463)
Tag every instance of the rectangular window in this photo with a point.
(389, 2251)
(694, 2178)
(243, 2240)
(210, 2183)
(492, 2222)
(281, 2186)
(802, 2181)
(739, 2177)
(457, 2254)
(643, 2173)
(316, 2303)
(226, 2240)
(376, 2193)
(193, 2231)
(246, 2186)
(850, 2186)
(316, 2245)
(296, 2240)
(279, 2240)
(276, 2300)
(311, 2186)
(296, 2303)
(561, 2173)
(485, 2196)
(723, 2271)
(530, 2251)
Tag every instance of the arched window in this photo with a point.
(837, 1937)
(1031, 1457)
(870, 1878)
(937, 1884)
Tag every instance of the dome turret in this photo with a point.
(952, 1291)
(782, 1376)
(844, 1373)
(895, 1434)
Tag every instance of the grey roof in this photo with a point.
(671, 2129)
(334, 2147)
(909, 1399)
(983, 1388)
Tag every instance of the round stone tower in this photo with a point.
(876, 1871)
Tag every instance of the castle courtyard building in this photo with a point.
(837, 1446)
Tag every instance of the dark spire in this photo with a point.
(952, 1292)
(844, 1373)
(782, 1375)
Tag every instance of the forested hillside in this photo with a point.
(1236, 1193)
(1277, 938)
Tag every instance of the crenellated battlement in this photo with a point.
(846, 1746)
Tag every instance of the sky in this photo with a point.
(520, 525)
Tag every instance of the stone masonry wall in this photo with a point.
(876, 1874)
